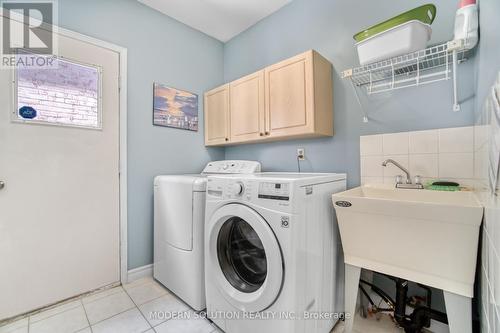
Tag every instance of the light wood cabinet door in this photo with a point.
(217, 116)
(247, 108)
(290, 97)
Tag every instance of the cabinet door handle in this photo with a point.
(2, 184)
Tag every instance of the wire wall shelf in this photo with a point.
(436, 63)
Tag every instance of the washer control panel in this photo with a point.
(274, 191)
(268, 194)
(237, 188)
(229, 188)
(230, 167)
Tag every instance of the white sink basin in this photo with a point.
(430, 237)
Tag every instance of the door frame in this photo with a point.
(122, 170)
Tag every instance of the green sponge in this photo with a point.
(442, 186)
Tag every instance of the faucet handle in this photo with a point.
(418, 179)
(399, 179)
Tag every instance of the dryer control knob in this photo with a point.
(238, 188)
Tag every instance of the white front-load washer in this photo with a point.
(179, 216)
(273, 256)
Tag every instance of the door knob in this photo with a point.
(2, 184)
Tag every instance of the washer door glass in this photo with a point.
(241, 255)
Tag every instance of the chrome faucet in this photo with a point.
(399, 182)
(408, 179)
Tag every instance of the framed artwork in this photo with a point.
(175, 108)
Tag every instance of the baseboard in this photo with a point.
(140, 272)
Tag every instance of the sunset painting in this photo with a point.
(175, 108)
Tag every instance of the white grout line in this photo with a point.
(100, 321)
(55, 314)
(86, 316)
(152, 282)
(81, 304)
(135, 306)
(116, 314)
(138, 309)
(14, 319)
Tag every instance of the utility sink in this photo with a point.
(430, 237)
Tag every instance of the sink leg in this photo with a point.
(459, 312)
(352, 274)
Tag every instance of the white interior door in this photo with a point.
(59, 208)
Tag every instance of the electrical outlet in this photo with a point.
(301, 154)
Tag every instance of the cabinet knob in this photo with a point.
(267, 133)
(227, 139)
(261, 134)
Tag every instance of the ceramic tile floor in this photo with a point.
(127, 310)
(118, 310)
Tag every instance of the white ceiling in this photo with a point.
(221, 19)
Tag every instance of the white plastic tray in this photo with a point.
(405, 38)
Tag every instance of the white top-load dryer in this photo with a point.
(179, 216)
(272, 253)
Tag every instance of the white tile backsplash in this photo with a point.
(484, 134)
(484, 137)
(446, 154)
(395, 143)
(372, 180)
(371, 145)
(371, 166)
(481, 136)
(456, 140)
(424, 164)
(456, 165)
(424, 142)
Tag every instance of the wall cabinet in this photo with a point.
(247, 108)
(217, 116)
(290, 99)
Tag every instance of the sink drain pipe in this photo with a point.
(420, 317)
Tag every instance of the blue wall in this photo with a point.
(327, 26)
(163, 50)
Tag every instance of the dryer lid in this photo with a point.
(197, 182)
